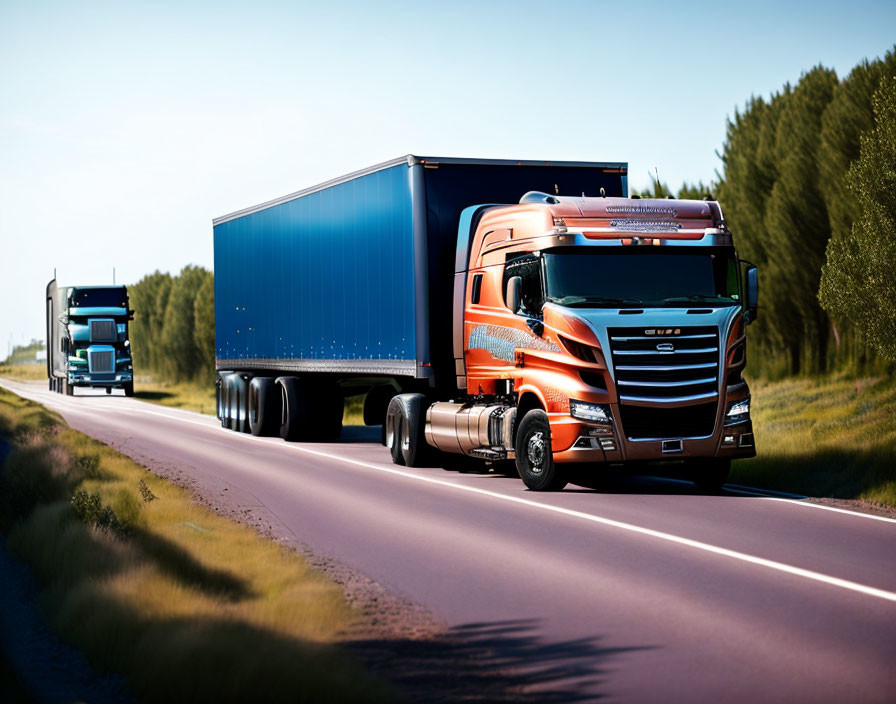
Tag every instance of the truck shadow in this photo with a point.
(153, 395)
(500, 661)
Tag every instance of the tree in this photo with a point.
(797, 219)
(148, 300)
(696, 191)
(181, 357)
(858, 280)
(204, 330)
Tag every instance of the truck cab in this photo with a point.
(599, 331)
(87, 338)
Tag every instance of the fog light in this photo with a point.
(738, 412)
(590, 412)
(728, 440)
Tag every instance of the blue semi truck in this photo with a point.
(512, 311)
(87, 338)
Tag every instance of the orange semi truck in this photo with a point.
(504, 310)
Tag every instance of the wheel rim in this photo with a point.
(535, 452)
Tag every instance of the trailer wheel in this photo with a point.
(405, 436)
(264, 406)
(708, 474)
(239, 406)
(534, 458)
(129, 389)
(295, 411)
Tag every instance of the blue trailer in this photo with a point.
(347, 286)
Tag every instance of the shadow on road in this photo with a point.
(502, 661)
(151, 395)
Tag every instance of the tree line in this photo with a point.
(809, 189)
(173, 331)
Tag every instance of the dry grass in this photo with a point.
(189, 395)
(198, 397)
(24, 372)
(187, 605)
(825, 437)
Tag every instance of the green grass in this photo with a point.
(187, 605)
(830, 437)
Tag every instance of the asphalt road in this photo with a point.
(642, 590)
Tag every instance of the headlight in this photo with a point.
(591, 412)
(738, 412)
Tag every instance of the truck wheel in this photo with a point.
(534, 457)
(108, 390)
(296, 421)
(264, 406)
(69, 389)
(129, 389)
(405, 436)
(709, 474)
(220, 399)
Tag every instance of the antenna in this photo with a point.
(54, 272)
(113, 275)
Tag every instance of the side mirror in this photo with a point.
(130, 315)
(752, 302)
(514, 293)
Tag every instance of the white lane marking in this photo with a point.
(660, 535)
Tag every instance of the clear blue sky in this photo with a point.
(125, 128)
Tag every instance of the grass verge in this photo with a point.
(24, 372)
(832, 437)
(200, 397)
(185, 604)
(189, 395)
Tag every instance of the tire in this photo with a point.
(108, 390)
(220, 399)
(534, 457)
(51, 384)
(69, 389)
(129, 389)
(710, 474)
(264, 406)
(295, 411)
(405, 430)
(239, 403)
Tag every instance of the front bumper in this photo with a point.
(577, 441)
(100, 379)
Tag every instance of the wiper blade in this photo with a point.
(697, 297)
(576, 300)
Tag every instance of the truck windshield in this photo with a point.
(99, 298)
(641, 277)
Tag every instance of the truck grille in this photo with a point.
(103, 331)
(101, 361)
(642, 422)
(677, 366)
